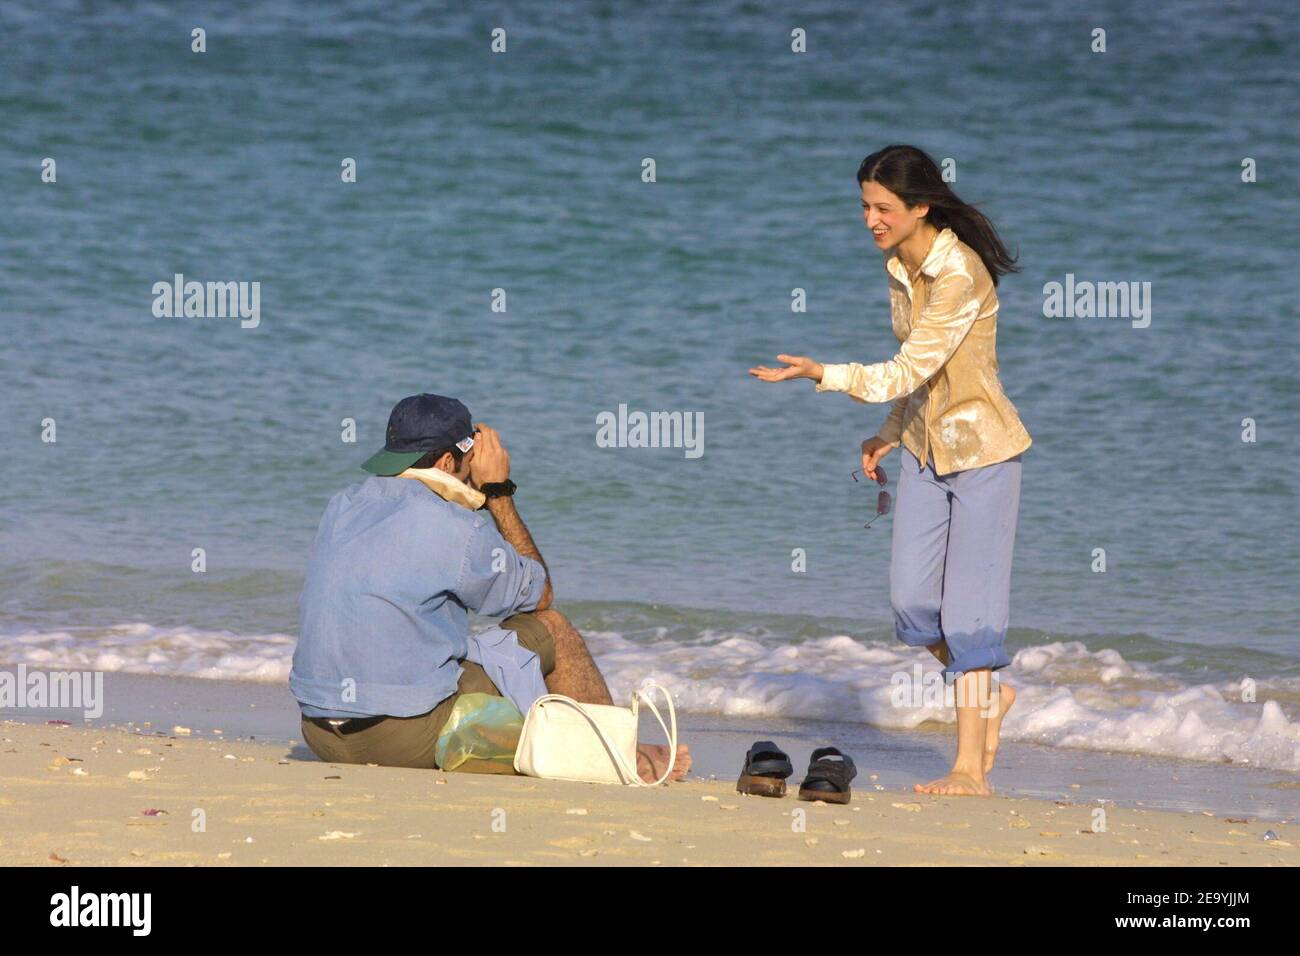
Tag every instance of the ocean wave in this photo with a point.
(1069, 695)
(147, 649)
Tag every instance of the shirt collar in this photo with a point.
(943, 244)
(447, 487)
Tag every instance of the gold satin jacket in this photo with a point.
(948, 400)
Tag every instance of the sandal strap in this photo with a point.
(838, 772)
(766, 759)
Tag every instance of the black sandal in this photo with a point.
(828, 778)
(765, 770)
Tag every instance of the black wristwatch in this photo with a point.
(498, 489)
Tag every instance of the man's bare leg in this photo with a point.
(576, 675)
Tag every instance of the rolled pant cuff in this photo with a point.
(993, 657)
(916, 638)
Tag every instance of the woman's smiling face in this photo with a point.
(888, 217)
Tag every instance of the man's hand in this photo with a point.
(490, 461)
(874, 449)
(797, 366)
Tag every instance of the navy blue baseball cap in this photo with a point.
(418, 425)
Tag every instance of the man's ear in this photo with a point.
(446, 463)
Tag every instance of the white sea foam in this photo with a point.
(1069, 696)
(146, 649)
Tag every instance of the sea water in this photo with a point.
(501, 243)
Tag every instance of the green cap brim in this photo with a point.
(389, 463)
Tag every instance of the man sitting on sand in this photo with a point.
(400, 559)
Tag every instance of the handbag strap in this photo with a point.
(643, 694)
(671, 735)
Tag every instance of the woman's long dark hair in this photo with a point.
(914, 177)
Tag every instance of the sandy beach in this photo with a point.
(79, 796)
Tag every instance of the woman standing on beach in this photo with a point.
(959, 492)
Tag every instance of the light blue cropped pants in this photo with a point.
(950, 569)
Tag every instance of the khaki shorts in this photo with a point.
(410, 741)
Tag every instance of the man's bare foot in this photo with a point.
(652, 760)
(957, 784)
(1006, 697)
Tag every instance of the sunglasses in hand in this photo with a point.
(883, 500)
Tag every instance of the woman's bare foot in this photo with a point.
(957, 784)
(652, 760)
(1006, 697)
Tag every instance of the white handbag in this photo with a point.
(563, 739)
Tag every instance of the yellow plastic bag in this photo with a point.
(480, 736)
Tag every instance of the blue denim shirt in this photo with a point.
(384, 614)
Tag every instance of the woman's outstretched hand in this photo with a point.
(796, 366)
(874, 449)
